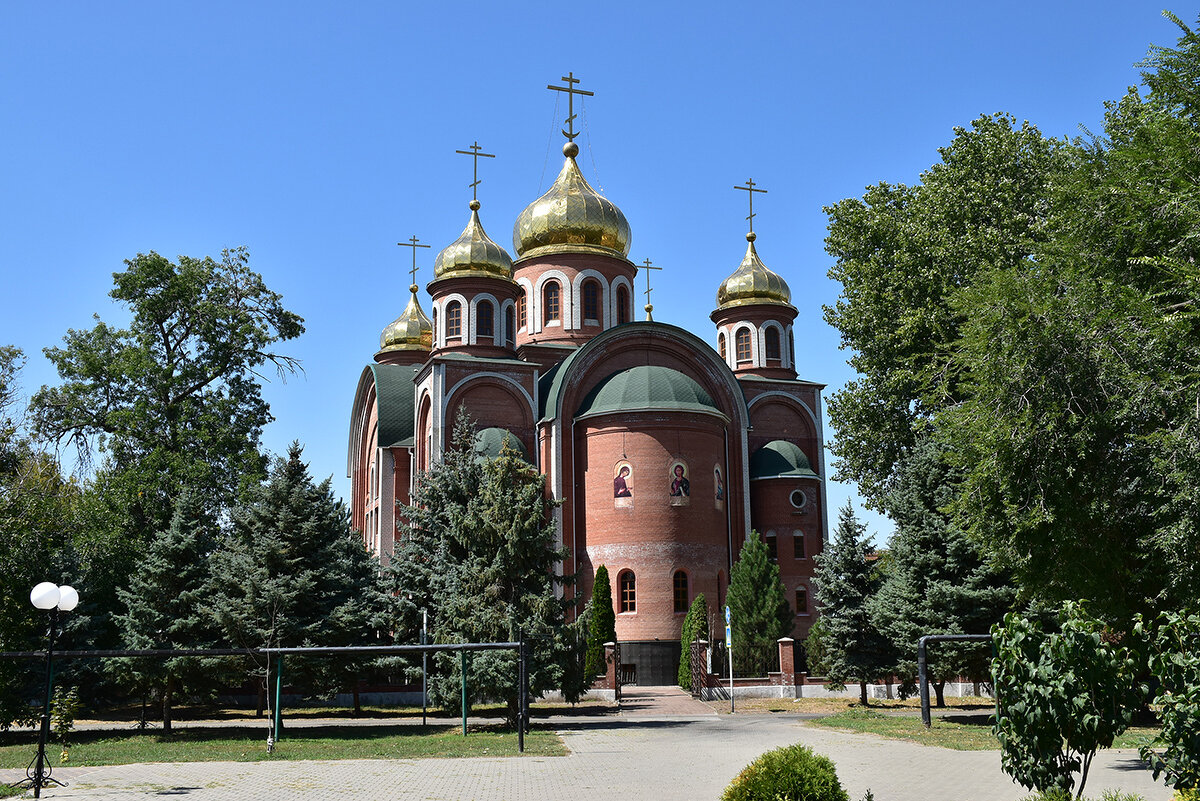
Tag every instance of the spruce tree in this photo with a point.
(695, 627)
(292, 573)
(846, 582)
(761, 614)
(602, 626)
(164, 604)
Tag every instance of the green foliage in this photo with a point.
(602, 624)
(695, 627)
(64, 706)
(1060, 697)
(791, 773)
(846, 582)
(816, 648)
(1174, 655)
(761, 614)
(291, 572)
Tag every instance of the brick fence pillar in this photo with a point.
(787, 661)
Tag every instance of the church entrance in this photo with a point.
(650, 664)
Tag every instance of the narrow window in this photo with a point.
(510, 326)
(681, 592)
(550, 303)
(773, 344)
(622, 305)
(453, 319)
(521, 310)
(628, 592)
(591, 301)
(802, 601)
(791, 349)
(435, 328)
(485, 320)
(721, 344)
(743, 345)
(772, 546)
(798, 549)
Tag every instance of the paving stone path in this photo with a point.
(648, 751)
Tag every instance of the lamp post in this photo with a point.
(54, 599)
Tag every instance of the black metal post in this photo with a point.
(424, 662)
(522, 699)
(41, 776)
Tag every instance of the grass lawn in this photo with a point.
(248, 744)
(836, 705)
(961, 733)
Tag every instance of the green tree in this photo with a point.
(937, 582)
(291, 572)
(1060, 697)
(695, 627)
(602, 625)
(761, 614)
(1175, 662)
(816, 649)
(165, 604)
(846, 582)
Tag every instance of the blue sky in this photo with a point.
(319, 135)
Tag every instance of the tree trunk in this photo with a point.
(889, 690)
(939, 687)
(168, 692)
(862, 693)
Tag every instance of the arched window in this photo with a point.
(802, 600)
(773, 343)
(628, 584)
(551, 302)
(721, 344)
(622, 305)
(680, 587)
(742, 343)
(798, 549)
(510, 326)
(453, 320)
(591, 300)
(485, 320)
(521, 310)
(772, 546)
(435, 328)
(791, 349)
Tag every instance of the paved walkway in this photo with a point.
(637, 754)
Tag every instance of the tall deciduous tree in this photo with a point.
(761, 614)
(855, 650)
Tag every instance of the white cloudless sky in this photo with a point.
(319, 135)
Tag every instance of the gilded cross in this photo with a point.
(475, 152)
(412, 243)
(571, 91)
(750, 190)
(649, 306)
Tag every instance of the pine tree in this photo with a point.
(293, 573)
(164, 603)
(846, 582)
(695, 627)
(761, 614)
(602, 626)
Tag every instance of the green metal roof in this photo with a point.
(780, 459)
(395, 395)
(646, 387)
(490, 441)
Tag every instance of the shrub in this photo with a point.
(792, 773)
(1175, 661)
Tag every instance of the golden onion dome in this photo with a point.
(473, 254)
(571, 218)
(410, 331)
(753, 283)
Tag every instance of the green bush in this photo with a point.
(1057, 794)
(792, 773)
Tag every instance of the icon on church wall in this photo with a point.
(623, 484)
(718, 488)
(681, 487)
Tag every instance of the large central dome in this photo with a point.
(571, 218)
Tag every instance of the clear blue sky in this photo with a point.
(320, 134)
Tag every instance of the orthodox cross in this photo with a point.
(571, 92)
(649, 306)
(750, 190)
(475, 152)
(412, 243)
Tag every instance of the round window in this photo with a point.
(799, 499)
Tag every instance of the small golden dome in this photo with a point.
(473, 254)
(753, 283)
(410, 331)
(571, 218)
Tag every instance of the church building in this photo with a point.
(663, 450)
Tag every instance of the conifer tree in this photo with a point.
(846, 582)
(164, 604)
(293, 573)
(602, 625)
(761, 614)
(695, 627)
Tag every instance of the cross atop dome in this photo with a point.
(571, 91)
(412, 243)
(475, 152)
(750, 189)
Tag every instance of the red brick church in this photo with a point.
(663, 450)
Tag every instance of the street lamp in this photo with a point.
(53, 599)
